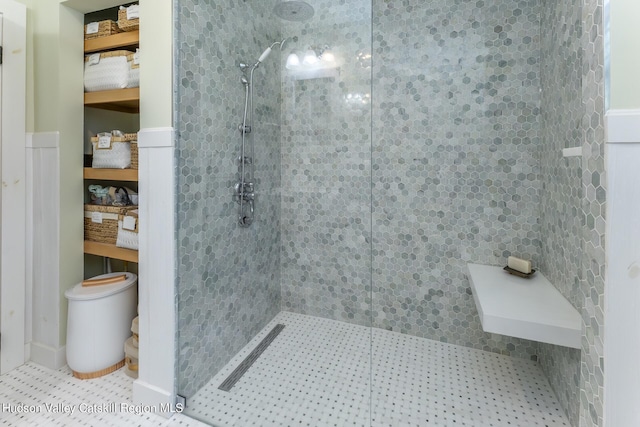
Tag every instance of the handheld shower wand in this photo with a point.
(267, 51)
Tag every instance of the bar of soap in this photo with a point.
(521, 265)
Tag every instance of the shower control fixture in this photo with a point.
(247, 160)
(245, 219)
(244, 193)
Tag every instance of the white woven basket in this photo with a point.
(118, 156)
(109, 71)
(128, 239)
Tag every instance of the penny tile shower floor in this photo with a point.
(36, 388)
(317, 373)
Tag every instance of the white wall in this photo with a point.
(70, 104)
(155, 384)
(55, 100)
(156, 46)
(625, 59)
(622, 292)
(13, 205)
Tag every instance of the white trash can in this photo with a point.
(99, 323)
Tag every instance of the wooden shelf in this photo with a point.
(110, 251)
(129, 39)
(124, 100)
(111, 174)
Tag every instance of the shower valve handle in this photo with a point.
(244, 191)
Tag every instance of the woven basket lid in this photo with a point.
(84, 293)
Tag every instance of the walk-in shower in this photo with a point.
(382, 148)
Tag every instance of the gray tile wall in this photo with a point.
(561, 217)
(573, 196)
(228, 277)
(326, 170)
(456, 175)
(455, 164)
(594, 207)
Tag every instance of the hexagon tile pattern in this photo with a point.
(561, 197)
(326, 171)
(228, 278)
(454, 164)
(594, 207)
(456, 173)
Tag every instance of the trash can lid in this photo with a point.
(83, 293)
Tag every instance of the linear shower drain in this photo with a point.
(244, 366)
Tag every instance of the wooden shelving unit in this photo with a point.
(111, 174)
(117, 41)
(110, 251)
(123, 100)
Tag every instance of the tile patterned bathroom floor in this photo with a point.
(317, 373)
(37, 386)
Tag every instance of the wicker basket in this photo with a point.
(134, 73)
(127, 237)
(110, 70)
(130, 58)
(107, 230)
(105, 28)
(127, 24)
(134, 154)
(127, 137)
(112, 54)
(131, 138)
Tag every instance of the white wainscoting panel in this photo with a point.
(43, 182)
(156, 293)
(622, 291)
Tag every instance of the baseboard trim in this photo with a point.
(49, 357)
(147, 394)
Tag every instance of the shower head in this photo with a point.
(293, 10)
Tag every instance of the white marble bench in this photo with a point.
(530, 308)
